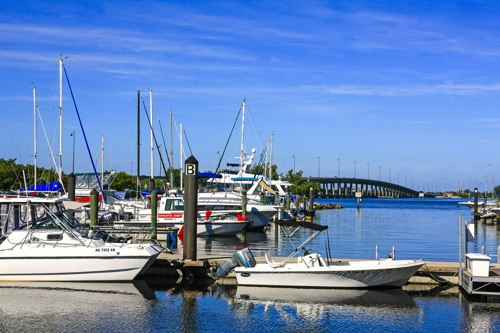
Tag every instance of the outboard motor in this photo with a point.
(109, 217)
(243, 258)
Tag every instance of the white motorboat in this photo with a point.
(221, 222)
(480, 205)
(41, 241)
(312, 270)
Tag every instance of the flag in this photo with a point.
(139, 185)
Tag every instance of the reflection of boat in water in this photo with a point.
(28, 295)
(367, 297)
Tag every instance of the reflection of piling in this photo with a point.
(71, 186)
(94, 202)
(190, 208)
(154, 201)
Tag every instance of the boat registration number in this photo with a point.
(105, 250)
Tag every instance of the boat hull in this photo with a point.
(203, 228)
(364, 275)
(75, 263)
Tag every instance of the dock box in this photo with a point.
(478, 264)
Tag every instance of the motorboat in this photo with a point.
(218, 222)
(41, 241)
(312, 270)
(480, 205)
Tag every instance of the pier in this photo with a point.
(370, 188)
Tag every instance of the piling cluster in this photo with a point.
(318, 206)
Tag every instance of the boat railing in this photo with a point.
(492, 255)
(134, 235)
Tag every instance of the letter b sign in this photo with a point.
(190, 169)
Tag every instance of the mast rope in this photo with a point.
(154, 136)
(230, 134)
(84, 136)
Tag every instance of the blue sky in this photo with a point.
(411, 87)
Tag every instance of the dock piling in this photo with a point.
(94, 202)
(71, 186)
(154, 201)
(190, 208)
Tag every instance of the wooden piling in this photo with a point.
(190, 208)
(154, 202)
(94, 203)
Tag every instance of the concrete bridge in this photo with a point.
(346, 187)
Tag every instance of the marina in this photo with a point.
(249, 167)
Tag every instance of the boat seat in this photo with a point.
(271, 262)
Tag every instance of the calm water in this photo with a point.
(426, 230)
(418, 229)
(158, 307)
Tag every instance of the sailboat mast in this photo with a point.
(34, 111)
(182, 150)
(60, 118)
(171, 154)
(138, 141)
(151, 123)
(242, 139)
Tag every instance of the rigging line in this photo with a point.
(191, 152)
(179, 135)
(164, 144)
(129, 136)
(154, 136)
(84, 136)
(230, 134)
(50, 147)
(255, 128)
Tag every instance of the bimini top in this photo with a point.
(209, 175)
(308, 225)
(52, 187)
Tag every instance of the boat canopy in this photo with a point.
(209, 175)
(52, 187)
(308, 225)
(238, 179)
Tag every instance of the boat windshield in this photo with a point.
(214, 188)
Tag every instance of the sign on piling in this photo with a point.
(190, 208)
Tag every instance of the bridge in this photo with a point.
(346, 187)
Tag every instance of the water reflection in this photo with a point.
(159, 304)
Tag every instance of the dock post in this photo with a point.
(94, 202)
(358, 202)
(151, 188)
(71, 186)
(376, 251)
(154, 201)
(460, 248)
(190, 208)
(244, 214)
(475, 206)
(243, 203)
